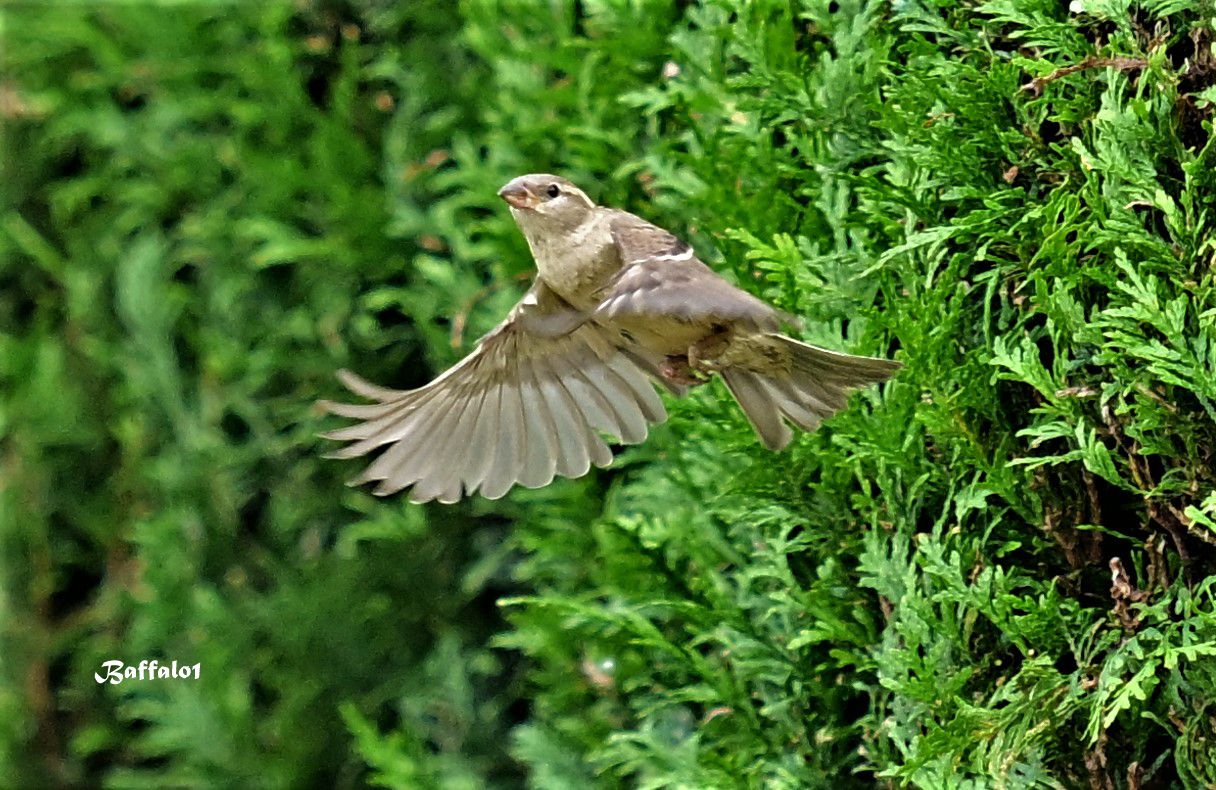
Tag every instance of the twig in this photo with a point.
(461, 319)
(1123, 592)
(1037, 84)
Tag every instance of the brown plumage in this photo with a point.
(617, 303)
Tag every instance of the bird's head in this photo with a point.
(543, 202)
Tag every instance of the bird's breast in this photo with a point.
(579, 265)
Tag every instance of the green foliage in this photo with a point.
(995, 571)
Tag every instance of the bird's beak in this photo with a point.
(517, 195)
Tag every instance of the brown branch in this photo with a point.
(1189, 525)
(461, 319)
(1037, 84)
(1124, 593)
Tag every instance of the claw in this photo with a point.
(703, 354)
(677, 370)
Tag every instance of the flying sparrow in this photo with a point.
(617, 302)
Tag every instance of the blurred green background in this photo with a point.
(995, 571)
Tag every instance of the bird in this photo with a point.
(618, 305)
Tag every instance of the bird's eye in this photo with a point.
(553, 191)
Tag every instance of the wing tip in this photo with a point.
(364, 388)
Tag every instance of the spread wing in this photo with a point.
(661, 276)
(529, 403)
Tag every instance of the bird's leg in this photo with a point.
(676, 369)
(703, 354)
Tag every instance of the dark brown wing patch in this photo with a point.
(638, 240)
(661, 277)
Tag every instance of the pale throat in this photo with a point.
(574, 261)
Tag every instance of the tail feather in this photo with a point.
(813, 385)
(822, 363)
(804, 410)
(758, 404)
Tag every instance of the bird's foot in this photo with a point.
(703, 354)
(677, 370)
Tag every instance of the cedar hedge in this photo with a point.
(999, 570)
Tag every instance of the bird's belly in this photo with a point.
(668, 337)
